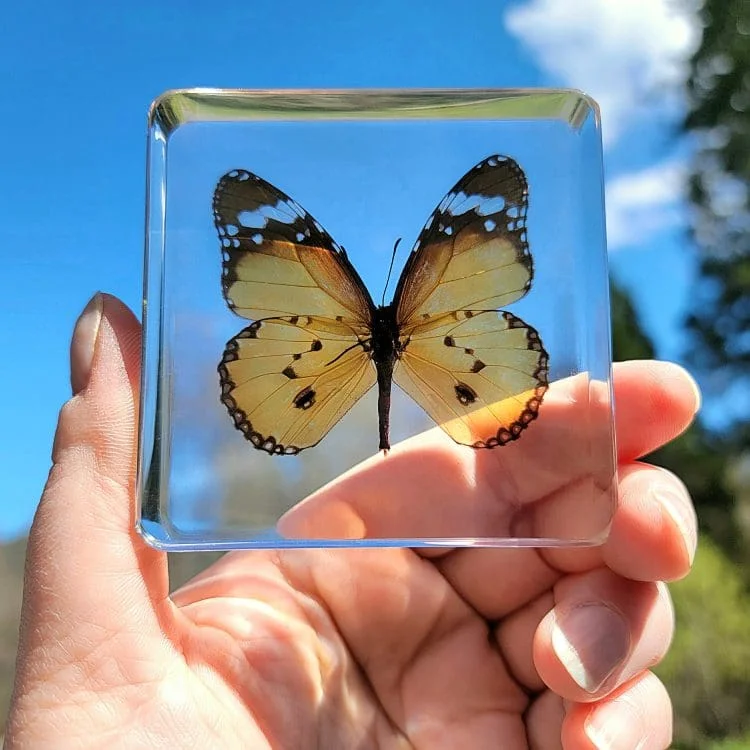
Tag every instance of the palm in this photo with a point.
(360, 649)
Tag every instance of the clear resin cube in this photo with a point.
(296, 394)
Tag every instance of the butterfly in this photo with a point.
(318, 342)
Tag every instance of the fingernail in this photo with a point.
(615, 725)
(83, 343)
(591, 641)
(683, 515)
(696, 393)
(684, 375)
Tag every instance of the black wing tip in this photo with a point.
(233, 176)
(501, 162)
(498, 160)
(237, 175)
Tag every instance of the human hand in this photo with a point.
(382, 648)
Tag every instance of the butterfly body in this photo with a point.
(318, 343)
(386, 350)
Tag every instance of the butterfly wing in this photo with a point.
(287, 381)
(480, 376)
(278, 260)
(305, 360)
(472, 253)
(480, 373)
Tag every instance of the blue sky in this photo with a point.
(78, 79)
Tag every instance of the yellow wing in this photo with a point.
(480, 376)
(278, 260)
(472, 254)
(287, 381)
(479, 372)
(305, 361)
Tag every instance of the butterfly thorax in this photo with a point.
(385, 339)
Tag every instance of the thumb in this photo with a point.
(85, 561)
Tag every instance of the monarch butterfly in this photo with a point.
(318, 342)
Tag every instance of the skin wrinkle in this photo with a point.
(535, 506)
(454, 568)
(501, 482)
(423, 644)
(428, 644)
(193, 656)
(544, 734)
(362, 663)
(492, 627)
(90, 667)
(325, 678)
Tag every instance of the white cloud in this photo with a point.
(630, 55)
(643, 204)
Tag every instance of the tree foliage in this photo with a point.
(707, 670)
(719, 96)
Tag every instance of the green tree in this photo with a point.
(628, 339)
(719, 102)
(718, 121)
(708, 667)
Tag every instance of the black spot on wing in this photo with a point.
(465, 394)
(305, 398)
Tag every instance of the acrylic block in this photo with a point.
(295, 395)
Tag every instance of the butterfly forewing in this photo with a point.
(287, 381)
(278, 260)
(472, 254)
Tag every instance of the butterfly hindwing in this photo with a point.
(480, 376)
(287, 381)
(472, 254)
(278, 260)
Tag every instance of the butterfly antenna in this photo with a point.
(390, 269)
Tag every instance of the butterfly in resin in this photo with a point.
(318, 342)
